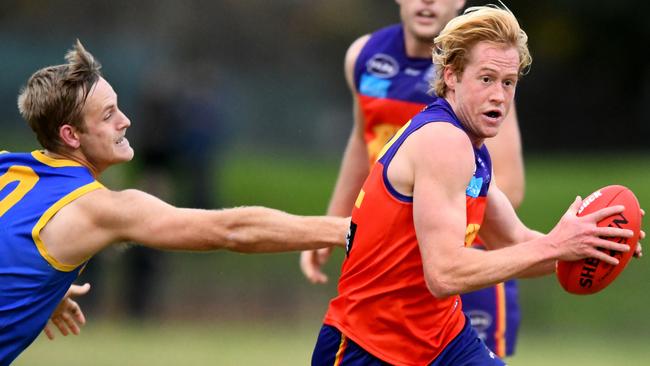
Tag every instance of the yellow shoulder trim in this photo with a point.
(54, 163)
(4, 152)
(392, 140)
(36, 231)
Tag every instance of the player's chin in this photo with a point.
(489, 132)
(124, 155)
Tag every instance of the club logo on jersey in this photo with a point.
(349, 239)
(474, 187)
(382, 65)
(373, 86)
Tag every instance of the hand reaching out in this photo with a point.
(68, 316)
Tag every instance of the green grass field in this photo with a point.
(232, 309)
(277, 344)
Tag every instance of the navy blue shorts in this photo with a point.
(495, 315)
(335, 349)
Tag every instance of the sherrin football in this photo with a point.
(590, 275)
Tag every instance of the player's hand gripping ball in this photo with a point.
(590, 275)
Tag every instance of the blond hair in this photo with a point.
(477, 24)
(55, 95)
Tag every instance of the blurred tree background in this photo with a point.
(269, 79)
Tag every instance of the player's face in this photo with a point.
(103, 143)
(424, 19)
(483, 95)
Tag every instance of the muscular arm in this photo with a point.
(506, 152)
(438, 174)
(104, 217)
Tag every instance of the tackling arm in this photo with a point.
(103, 217)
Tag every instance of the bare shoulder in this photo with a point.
(351, 58)
(436, 152)
(107, 207)
(441, 142)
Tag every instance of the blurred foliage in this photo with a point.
(279, 63)
(277, 68)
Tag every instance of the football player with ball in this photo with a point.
(425, 200)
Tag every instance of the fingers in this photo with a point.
(575, 206)
(606, 212)
(76, 290)
(603, 257)
(60, 324)
(48, 332)
(613, 232)
(311, 267)
(71, 324)
(610, 245)
(76, 313)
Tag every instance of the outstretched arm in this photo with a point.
(67, 316)
(105, 217)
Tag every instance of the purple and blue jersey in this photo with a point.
(391, 88)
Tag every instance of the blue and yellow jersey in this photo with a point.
(33, 188)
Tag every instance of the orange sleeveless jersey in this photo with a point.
(384, 304)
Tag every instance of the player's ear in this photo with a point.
(69, 136)
(450, 78)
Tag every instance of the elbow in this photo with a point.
(517, 198)
(441, 286)
(515, 194)
(236, 240)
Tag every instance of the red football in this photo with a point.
(590, 275)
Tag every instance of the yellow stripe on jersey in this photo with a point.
(36, 231)
(470, 233)
(54, 163)
(4, 152)
(357, 203)
(392, 140)
(383, 132)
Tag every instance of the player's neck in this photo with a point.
(416, 47)
(76, 157)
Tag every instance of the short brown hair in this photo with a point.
(477, 24)
(55, 95)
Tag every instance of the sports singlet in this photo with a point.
(391, 88)
(384, 304)
(33, 187)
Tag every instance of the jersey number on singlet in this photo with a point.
(26, 178)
